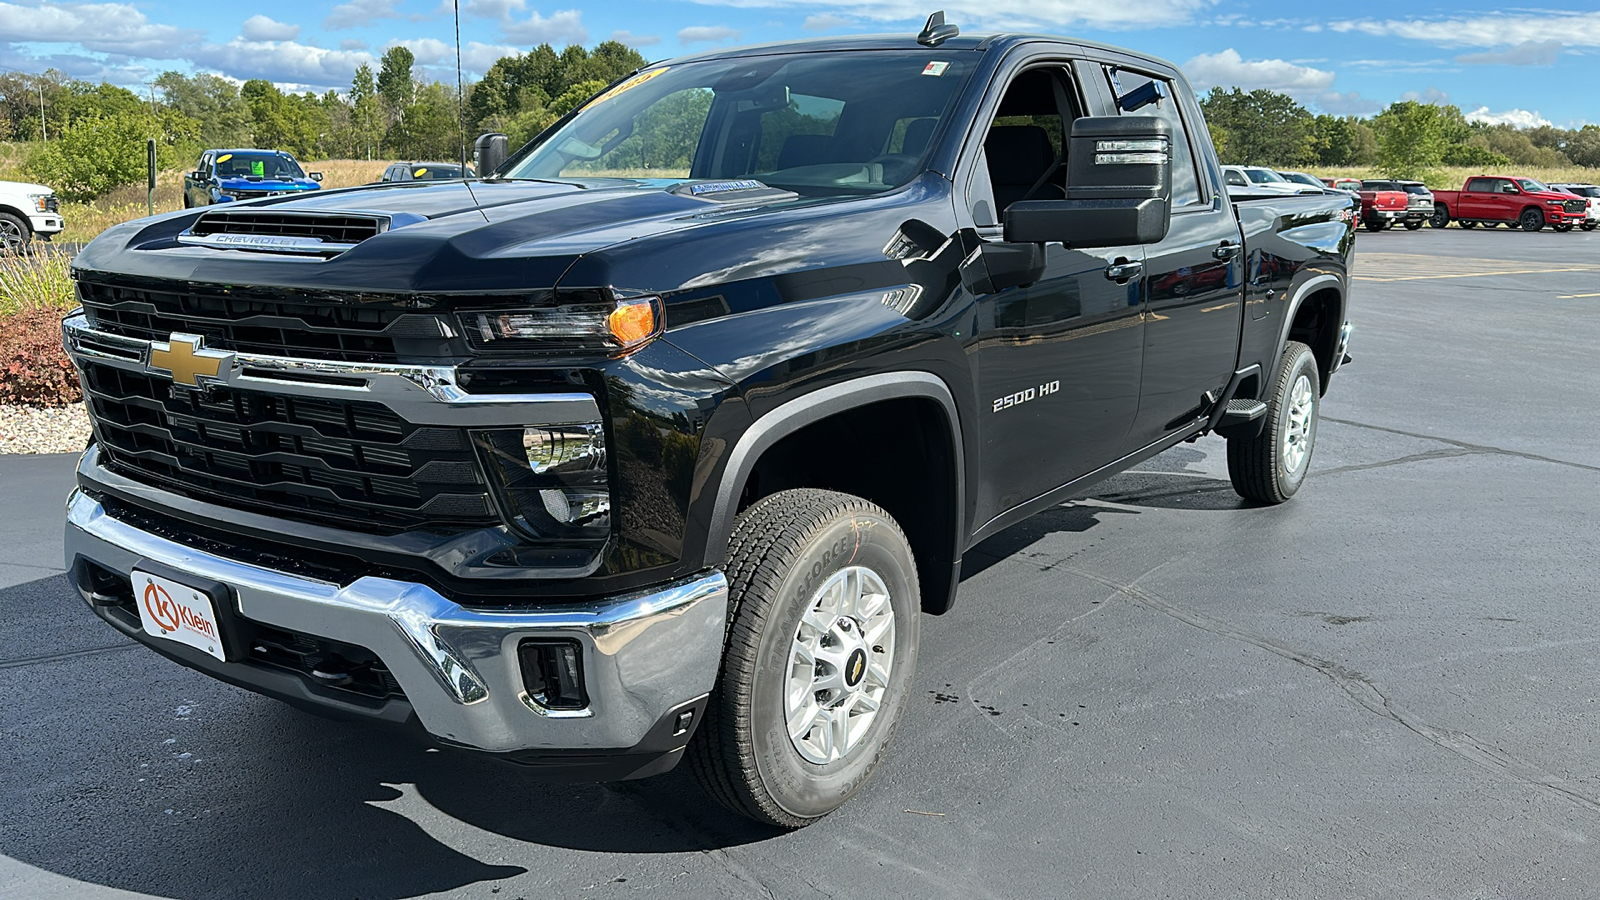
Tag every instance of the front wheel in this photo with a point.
(822, 648)
(14, 235)
(1531, 220)
(1270, 466)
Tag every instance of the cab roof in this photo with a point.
(903, 41)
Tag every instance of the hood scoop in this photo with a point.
(267, 230)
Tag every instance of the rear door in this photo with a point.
(1193, 287)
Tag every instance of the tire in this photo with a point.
(1270, 466)
(1491, 224)
(1531, 220)
(792, 557)
(187, 203)
(1589, 226)
(14, 235)
(1373, 225)
(1563, 228)
(1441, 216)
(1413, 225)
(1471, 225)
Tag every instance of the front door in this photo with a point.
(1057, 362)
(1194, 294)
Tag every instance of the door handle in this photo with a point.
(1123, 272)
(1226, 250)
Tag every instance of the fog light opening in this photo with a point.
(552, 673)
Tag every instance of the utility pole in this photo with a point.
(42, 130)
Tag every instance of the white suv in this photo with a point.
(26, 210)
(1262, 178)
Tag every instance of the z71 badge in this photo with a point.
(1021, 397)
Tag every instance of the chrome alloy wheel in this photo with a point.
(839, 665)
(1297, 431)
(12, 238)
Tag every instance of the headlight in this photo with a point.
(39, 201)
(1556, 202)
(617, 325)
(551, 480)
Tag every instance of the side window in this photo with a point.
(1022, 151)
(1480, 184)
(1233, 176)
(1185, 176)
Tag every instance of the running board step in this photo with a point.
(1242, 411)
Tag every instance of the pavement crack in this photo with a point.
(1400, 461)
(1365, 694)
(70, 654)
(1475, 448)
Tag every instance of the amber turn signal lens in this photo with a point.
(632, 321)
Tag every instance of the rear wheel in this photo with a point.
(822, 648)
(14, 235)
(1563, 228)
(1589, 226)
(1441, 216)
(1413, 224)
(1270, 466)
(1531, 220)
(1373, 225)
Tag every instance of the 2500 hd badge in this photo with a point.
(563, 464)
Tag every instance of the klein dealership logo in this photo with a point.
(184, 358)
(170, 615)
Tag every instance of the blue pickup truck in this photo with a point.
(223, 176)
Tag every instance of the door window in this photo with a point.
(1022, 155)
(1185, 176)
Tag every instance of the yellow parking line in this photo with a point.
(1472, 274)
(1575, 296)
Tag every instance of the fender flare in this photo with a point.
(1292, 308)
(790, 417)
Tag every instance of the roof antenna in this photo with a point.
(936, 31)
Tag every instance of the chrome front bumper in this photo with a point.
(644, 654)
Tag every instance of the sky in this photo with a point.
(1522, 65)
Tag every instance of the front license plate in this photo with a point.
(177, 612)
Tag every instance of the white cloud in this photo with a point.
(713, 34)
(635, 40)
(1517, 118)
(1579, 29)
(283, 62)
(475, 56)
(1050, 16)
(561, 27)
(113, 28)
(1432, 95)
(1229, 69)
(261, 28)
(825, 22)
(1527, 53)
(357, 13)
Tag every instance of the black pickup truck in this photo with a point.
(660, 438)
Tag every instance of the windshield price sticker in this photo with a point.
(935, 68)
(175, 612)
(631, 83)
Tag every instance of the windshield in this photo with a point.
(1264, 176)
(1529, 185)
(270, 166)
(1416, 188)
(1379, 186)
(814, 123)
(1300, 178)
(436, 171)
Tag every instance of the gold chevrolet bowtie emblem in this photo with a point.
(183, 356)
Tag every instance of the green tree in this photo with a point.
(396, 90)
(366, 112)
(211, 101)
(1261, 127)
(1345, 141)
(429, 125)
(1411, 140)
(97, 153)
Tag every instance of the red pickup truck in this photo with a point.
(1493, 199)
(1384, 203)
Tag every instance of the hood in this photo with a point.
(441, 237)
(25, 187)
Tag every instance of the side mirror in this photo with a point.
(1508, 189)
(1119, 188)
(316, 176)
(489, 153)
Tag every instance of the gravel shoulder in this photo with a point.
(33, 429)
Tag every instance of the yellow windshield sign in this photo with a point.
(225, 157)
(419, 173)
(630, 84)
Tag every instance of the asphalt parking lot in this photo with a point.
(1385, 688)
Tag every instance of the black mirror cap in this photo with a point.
(489, 153)
(1119, 157)
(315, 176)
(1085, 224)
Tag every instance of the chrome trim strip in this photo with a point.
(643, 653)
(424, 395)
(265, 243)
